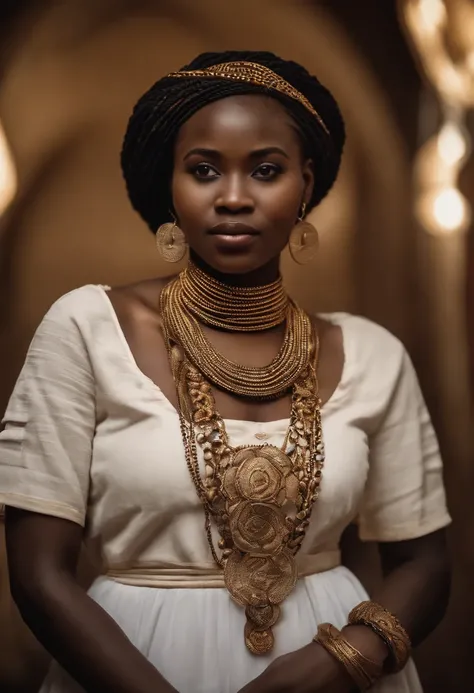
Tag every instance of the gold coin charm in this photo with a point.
(171, 242)
(304, 242)
(258, 642)
(260, 580)
(263, 616)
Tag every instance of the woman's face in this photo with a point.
(239, 180)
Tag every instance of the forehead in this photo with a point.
(247, 120)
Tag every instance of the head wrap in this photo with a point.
(147, 154)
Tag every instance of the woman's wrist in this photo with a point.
(362, 670)
(367, 642)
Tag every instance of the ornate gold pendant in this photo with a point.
(260, 583)
(259, 496)
(259, 572)
(258, 641)
(260, 474)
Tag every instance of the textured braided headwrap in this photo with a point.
(252, 73)
(147, 154)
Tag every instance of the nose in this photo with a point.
(233, 196)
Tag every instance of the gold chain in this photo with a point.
(246, 488)
(271, 381)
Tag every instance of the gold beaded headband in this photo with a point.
(253, 73)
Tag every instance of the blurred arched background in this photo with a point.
(396, 235)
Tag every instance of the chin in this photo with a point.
(232, 263)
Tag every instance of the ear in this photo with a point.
(308, 180)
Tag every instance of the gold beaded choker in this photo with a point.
(239, 309)
(183, 328)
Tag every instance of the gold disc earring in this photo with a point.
(304, 240)
(171, 242)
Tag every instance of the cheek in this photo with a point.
(188, 198)
(282, 201)
(279, 202)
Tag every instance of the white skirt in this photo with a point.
(194, 637)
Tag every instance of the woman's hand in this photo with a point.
(309, 670)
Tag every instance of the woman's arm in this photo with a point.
(415, 588)
(43, 553)
(404, 505)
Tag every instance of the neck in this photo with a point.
(248, 308)
(259, 277)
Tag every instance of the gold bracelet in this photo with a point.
(386, 626)
(362, 670)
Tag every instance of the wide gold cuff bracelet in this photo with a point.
(386, 626)
(362, 670)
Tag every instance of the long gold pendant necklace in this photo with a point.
(260, 497)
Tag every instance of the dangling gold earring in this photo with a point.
(304, 240)
(171, 242)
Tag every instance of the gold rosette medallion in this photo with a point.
(259, 572)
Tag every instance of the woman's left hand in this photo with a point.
(309, 670)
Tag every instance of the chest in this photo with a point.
(143, 333)
(149, 474)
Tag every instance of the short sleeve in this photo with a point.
(48, 427)
(404, 496)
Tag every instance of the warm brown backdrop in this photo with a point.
(69, 74)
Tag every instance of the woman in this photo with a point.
(178, 426)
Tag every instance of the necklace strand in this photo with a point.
(242, 487)
(241, 309)
(267, 382)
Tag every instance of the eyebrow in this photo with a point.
(256, 154)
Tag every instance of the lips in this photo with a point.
(233, 228)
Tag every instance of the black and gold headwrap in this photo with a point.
(147, 154)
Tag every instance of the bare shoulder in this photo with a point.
(370, 348)
(331, 342)
(140, 299)
(370, 337)
(137, 307)
(329, 333)
(331, 356)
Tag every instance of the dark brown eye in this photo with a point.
(267, 171)
(204, 171)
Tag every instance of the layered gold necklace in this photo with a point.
(240, 309)
(260, 497)
(194, 297)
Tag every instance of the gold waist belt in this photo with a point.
(194, 576)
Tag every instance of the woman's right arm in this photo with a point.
(43, 553)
